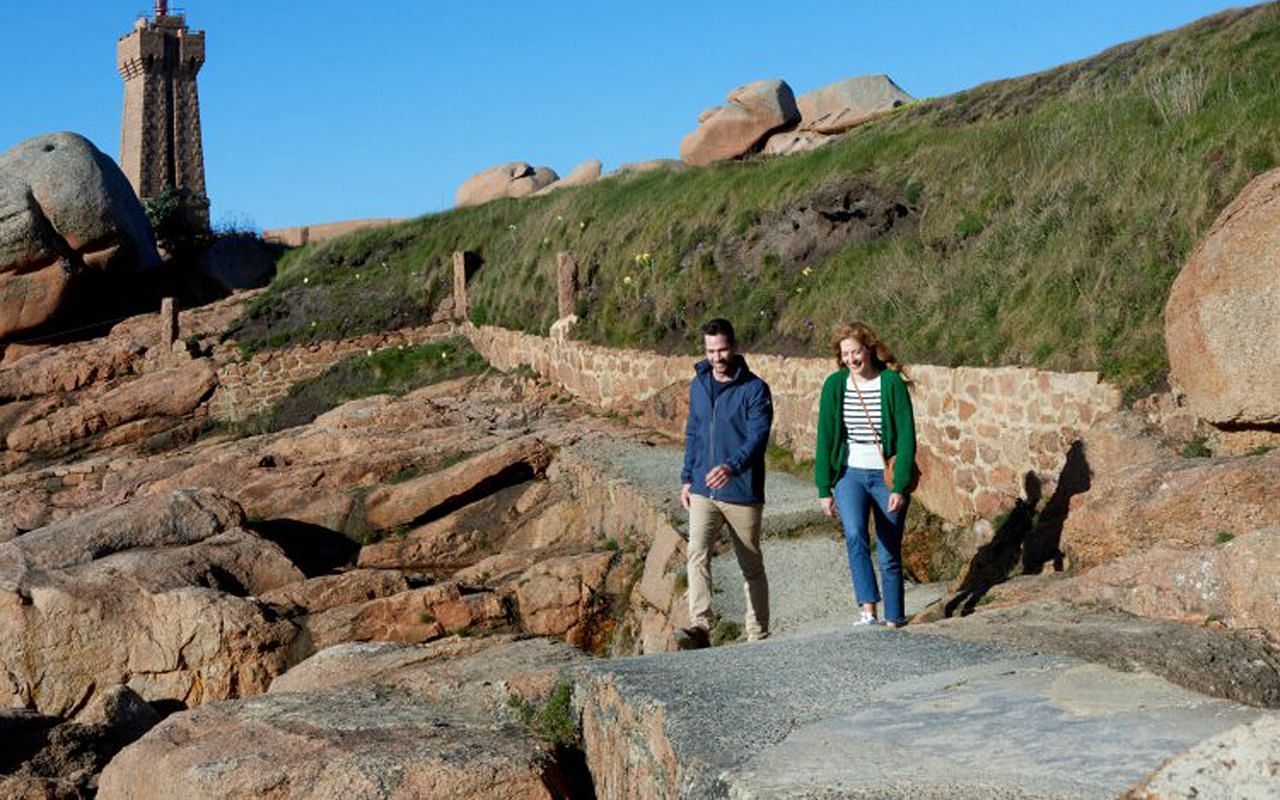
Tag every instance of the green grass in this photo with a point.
(1045, 218)
(781, 459)
(392, 370)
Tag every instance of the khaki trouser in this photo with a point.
(706, 517)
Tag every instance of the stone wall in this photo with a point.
(322, 232)
(979, 430)
(249, 387)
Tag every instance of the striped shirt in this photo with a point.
(863, 424)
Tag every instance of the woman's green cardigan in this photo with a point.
(897, 423)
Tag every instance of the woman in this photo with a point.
(865, 418)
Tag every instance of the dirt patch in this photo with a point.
(816, 227)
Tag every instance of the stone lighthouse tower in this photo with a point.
(160, 149)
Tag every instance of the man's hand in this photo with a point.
(719, 477)
(684, 495)
(896, 502)
(828, 505)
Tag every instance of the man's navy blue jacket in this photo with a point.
(730, 427)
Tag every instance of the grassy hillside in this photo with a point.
(1038, 220)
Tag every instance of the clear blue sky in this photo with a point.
(318, 110)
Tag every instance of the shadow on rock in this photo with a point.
(314, 549)
(1025, 537)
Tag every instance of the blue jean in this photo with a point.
(859, 493)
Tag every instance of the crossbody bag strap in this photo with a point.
(867, 414)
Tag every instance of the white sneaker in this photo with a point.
(867, 619)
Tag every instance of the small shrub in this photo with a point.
(611, 544)
(1196, 448)
(1222, 537)
(725, 632)
(406, 474)
(554, 721)
(1261, 450)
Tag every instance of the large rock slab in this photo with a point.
(1242, 762)
(479, 672)
(365, 720)
(66, 213)
(389, 506)
(166, 393)
(789, 717)
(754, 111)
(513, 179)
(1235, 665)
(153, 595)
(574, 597)
(842, 105)
(1185, 503)
(1221, 325)
(417, 615)
(1231, 584)
(357, 742)
(331, 591)
(586, 172)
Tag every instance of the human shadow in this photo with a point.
(1025, 539)
(1043, 542)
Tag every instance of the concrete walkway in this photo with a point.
(881, 713)
(823, 709)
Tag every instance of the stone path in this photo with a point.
(823, 709)
(881, 713)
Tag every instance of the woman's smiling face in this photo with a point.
(853, 354)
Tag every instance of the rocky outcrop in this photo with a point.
(357, 742)
(153, 594)
(365, 720)
(513, 179)
(517, 461)
(1221, 326)
(1241, 762)
(842, 105)
(832, 110)
(69, 367)
(1185, 503)
(68, 221)
(731, 131)
(1229, 584)
(480, 672)
(331, 591)
(1236, 665)
(70, 755)
(796, 141)
(169, 393)
(586, 172)
(573, 598)
(415, 616)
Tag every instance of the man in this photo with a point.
(730, 414)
